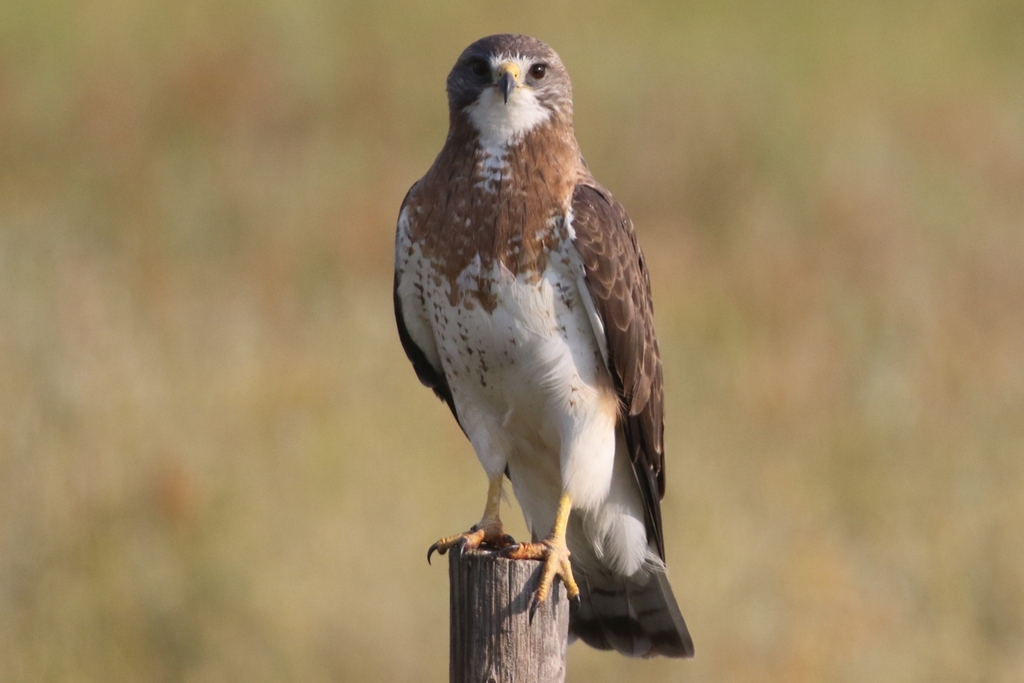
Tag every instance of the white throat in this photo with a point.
(499, 122)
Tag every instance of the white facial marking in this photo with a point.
(500, 122)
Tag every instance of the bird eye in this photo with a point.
(480, 67)
(538, 70)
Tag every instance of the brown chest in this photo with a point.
(477, 208)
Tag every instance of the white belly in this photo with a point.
(531, 387)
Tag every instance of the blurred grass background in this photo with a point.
(216, 463)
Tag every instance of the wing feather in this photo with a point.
(619, 285)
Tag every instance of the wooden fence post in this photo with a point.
(492, 637)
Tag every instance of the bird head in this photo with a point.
(507, 85)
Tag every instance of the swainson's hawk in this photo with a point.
(523, 301)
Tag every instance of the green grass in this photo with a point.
(216, 463)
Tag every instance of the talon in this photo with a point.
(488, 533)
(555, 556)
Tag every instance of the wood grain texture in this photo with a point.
(493, 639)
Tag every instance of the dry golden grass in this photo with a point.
(216, 463)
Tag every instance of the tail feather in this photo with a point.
(584, 621)
(638, 616)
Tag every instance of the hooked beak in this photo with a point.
(508, 78)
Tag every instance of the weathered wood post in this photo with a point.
(493, 639)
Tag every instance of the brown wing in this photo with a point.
(617, 279)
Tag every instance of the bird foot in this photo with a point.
(555, 555)
(490, 534)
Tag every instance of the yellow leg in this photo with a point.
(489, 530)
(493, 505)
(554, 553)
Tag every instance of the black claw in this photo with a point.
(439, 549)
(574, 602)
(534, 604)
(508, 541)
(509, 549)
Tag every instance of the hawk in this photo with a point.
(523, 301)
